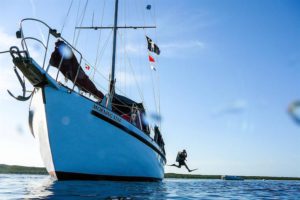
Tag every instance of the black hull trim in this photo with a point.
(80, 176)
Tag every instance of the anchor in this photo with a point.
(22, 82)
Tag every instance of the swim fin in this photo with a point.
(193, 170)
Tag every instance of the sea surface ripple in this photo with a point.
(43, 187)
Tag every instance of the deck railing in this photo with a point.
(51, 32)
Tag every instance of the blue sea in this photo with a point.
(43, 187)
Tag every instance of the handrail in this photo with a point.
(34, 19)
(31, 38)
(54, 33)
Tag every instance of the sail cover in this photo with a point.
(64, 59)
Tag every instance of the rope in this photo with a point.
(76, 22)
(4, 51)
(66, 17)
(99, 39)
(134, 76)
(158, 78)
(153, 89)
(82, 18)
(156, 99)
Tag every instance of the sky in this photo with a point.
(228, 71)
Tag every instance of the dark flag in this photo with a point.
(148, 7)
(152, 46)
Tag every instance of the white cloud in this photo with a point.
(7, 40)
(236, 107)
(176, 48)
(183, 45)
(132, 49)
(130, 79)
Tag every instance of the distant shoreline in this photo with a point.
(196, 176)
(15, 169)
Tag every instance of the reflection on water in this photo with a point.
(43, 187)
(100, 190)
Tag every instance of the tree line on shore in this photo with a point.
(15, 169)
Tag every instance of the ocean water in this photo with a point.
(43, 187)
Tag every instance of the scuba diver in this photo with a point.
(181, 158)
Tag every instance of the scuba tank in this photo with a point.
(178, 157)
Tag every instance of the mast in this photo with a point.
(112, 78)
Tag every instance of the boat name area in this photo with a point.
(106, 113)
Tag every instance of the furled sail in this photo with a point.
(64, 59)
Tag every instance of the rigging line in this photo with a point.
(158, 80)
(101, 53)
(156, 100)
(122, 59)
(158, 88)
(141, 13)
(140, 62)
(5, 51)
(125, 12)
(150, 11)
(82, 18)
(93, 18)
(117, 88)
(66, 17)
(35, 16)
(105, 44)
(99, 39)
(124, 45)
(76, 23)
(153, 86)
(134, 76)
(124, 64)
(103, 88)
(95, 69)
(98, 71)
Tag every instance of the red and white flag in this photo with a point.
(152, 63)
(87, 67)
(151, 59)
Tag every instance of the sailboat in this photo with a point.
(99, 138)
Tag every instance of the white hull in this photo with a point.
(82, 140)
